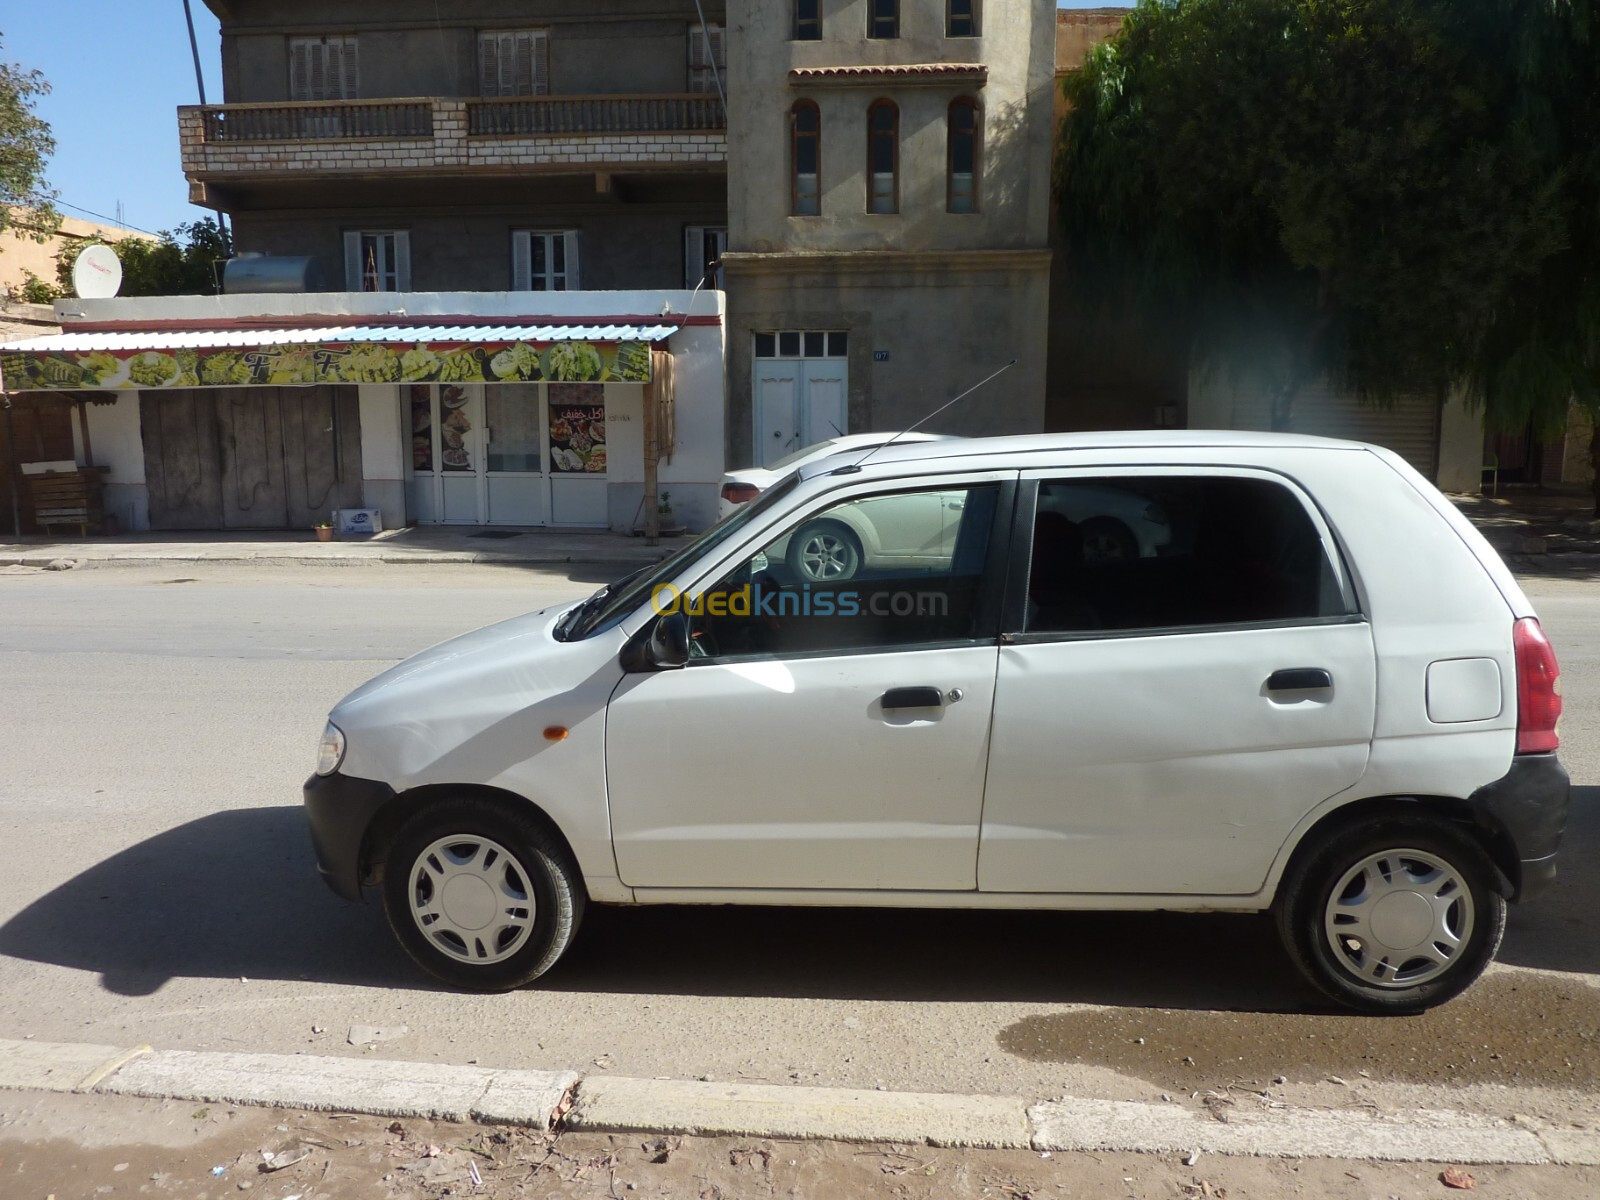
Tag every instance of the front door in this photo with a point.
(1165, 715)
(801, 391)
(477, 454)
(824, 734)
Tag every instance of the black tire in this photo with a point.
(841, 544)
(536, 867)
(1106, 539)
(1466, 896)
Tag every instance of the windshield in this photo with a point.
(608, 606)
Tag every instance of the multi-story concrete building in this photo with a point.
(888, 216)
(491, 145)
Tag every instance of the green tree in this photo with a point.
(25, 146)
(182, 262)
(1344, 187)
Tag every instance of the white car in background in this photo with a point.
(744, 485)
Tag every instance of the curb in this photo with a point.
(615, 1104)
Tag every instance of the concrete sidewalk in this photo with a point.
(610, 1104)
(423, 544)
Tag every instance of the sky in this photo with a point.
(118, 70)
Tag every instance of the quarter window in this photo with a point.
(1130, 553)
(808, 20)
(805, 159)
(961, 18)
(883, 157)
(883, 18)
(964, 135)
(894, 570)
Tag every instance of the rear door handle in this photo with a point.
(1299, 679)
(912, 697)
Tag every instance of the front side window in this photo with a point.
(323, 68)
(805, 159)
(377, 260)
(964, 134)
(514, 62)
(1123, 554)
(707, 62)
(808, 20)
(883, 18)
(883, 158)
(544, 260)
(899, 569)
(961, 18)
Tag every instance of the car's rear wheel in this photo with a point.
(1395, 917)
(480, 895)
(824, 552)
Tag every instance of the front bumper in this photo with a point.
(1527, 807)
(339, 809)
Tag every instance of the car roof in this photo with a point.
(994, 450)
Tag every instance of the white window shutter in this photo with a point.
(693, 255)
(488, 64)
(299, 70)
(522, 70)
(352, 260)
(402, 260)
(714, 32)
(351, 75)
(333, 70)
(521, 261)
(541, 62)
(571, 236)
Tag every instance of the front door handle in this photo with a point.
(1299, 679)
(912, 697)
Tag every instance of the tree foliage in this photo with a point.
(25, 148)
(182, 262)
(1385, 191)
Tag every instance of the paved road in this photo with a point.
(158, 887)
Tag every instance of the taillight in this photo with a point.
(1538, 689)
(740, 493)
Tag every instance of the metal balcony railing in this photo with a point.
(579, 116)
(318, 120)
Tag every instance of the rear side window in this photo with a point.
(1129, 553)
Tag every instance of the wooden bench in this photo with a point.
(67, 498)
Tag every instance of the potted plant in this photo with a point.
(324, 531)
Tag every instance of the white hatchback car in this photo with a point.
(1322, 695)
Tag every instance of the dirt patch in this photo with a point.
(88, 1147)
(1525, 1030)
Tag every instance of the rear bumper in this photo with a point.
(339, 808)
(1527, 808)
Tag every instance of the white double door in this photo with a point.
(480, 455)
(799, 401)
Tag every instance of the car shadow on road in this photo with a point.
(1557, 931)
(232, 894)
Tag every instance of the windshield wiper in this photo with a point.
(575, 622)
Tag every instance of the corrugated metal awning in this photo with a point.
(410, 352)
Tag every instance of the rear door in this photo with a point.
(1163, 721)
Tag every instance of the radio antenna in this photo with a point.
(852, 468)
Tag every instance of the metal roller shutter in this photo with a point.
(1410, 427)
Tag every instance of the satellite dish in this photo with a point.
(96, 272)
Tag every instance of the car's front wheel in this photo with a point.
(1394, 917)
(480, 895)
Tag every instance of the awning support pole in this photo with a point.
(83, 428)
(12, 470)
(652, 502)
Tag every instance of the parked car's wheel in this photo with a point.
(1106, 539)
(1394, 917)
(481, 896)
(824, 552)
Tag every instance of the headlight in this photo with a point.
(330, 753)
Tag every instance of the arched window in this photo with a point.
(805, 159)
(965, 137)
(883, 157)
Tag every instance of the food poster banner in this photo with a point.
(359, 362)
(577, 429)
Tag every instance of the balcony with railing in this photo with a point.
(445, 135)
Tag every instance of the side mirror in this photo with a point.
(664, 648)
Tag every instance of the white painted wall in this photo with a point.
(115, 439)
(383, 444)
(1460, 447)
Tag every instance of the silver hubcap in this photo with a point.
(1399, 918)
(825, 556)
(471, 899)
